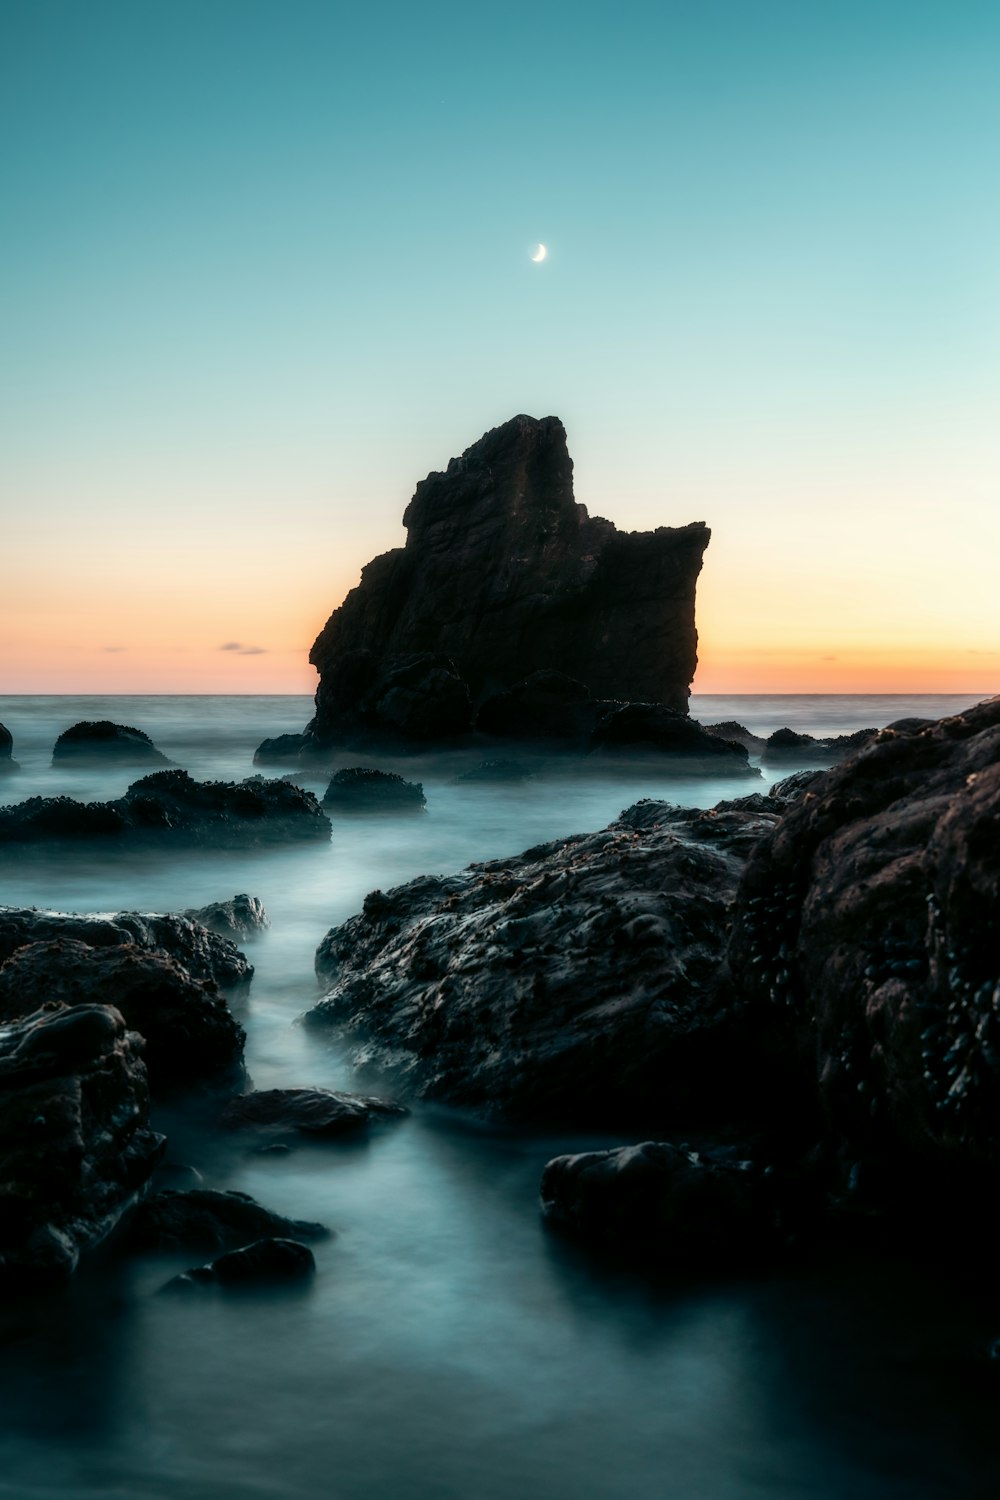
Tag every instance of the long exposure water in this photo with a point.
(450, 1348)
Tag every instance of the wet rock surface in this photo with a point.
(205, 954)
(169, 807)
(101, 742)
(868, 920)
(209, 1220)
(240, 918)
(360, 789)
(572, 983)
(307, 1111)
(269, 1260)
(75, 1141)
(190, 1033)
(504, 574)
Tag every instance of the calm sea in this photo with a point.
(450, 1349)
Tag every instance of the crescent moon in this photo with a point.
(539, 254)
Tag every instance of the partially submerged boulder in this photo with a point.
(99, 741)
(281, 749)
(361, 789)
(169, 807)
(7, 761)
(210, 1220)
(572, 983)
(786, 747)
(191, 1034)
(240, 918)
(730, 729)
(268, 1260)
(305, 1111)
(652, 727)
(75, 1142)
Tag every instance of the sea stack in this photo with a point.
(503, 575)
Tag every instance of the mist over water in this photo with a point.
(450, 1349)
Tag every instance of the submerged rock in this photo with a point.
(102, 742)
(190, 1033)
(311, 1112)
(359, 789)
(281, 749)
(868, 920)
(169, 807)
(75, 1142)
(497, 772)
(205, 954)
(266, 1260)
(571, 983)
(210, 1220)
(503, 575)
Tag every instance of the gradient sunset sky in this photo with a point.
(265, 263)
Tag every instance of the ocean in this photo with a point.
(450, 1348)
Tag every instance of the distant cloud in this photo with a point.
(829, 658)
(231, 646)
(114, 649)
(242, 650)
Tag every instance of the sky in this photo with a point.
(266, 263)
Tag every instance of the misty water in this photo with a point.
(450, 1348)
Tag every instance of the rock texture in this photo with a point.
(572, 983)
(242, 917)
(359, 789)
(103, 742)
(203, 953)
(504, 574)
(310, 1112)
(75, 1142)
(869, 920)
(190, 1033)
(169, 807)
(210, 1220)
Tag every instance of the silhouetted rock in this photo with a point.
(281, 749)
(545, 706)
(311, 1112)
(786, 747)
(266, 1260)
(359, 789)
(189, 1030)
(205, 954)
(729, 729)
(7, 761)
(103, 742)
(206, 1219)
(652, 727)
(504, 575)
(242, 917)
(75, 1142)
(571, 983)
(169, 807)
(867, 922)
(377, 699)
(678, 1206)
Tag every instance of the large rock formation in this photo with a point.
(504, 574)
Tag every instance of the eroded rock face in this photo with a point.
(205, 954)
(190, 1033)
(869, 919)
(170, 807)
(572, 983)
(100, 741)
(503, 575)
(75, 1142)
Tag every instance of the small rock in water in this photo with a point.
(360, 789)
(314, 1112)
(102, 741)
(265, 1260)
(207, 1219)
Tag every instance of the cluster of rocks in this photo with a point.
(170, 807)
(786, 747)
(804, 984)
(96, 1014)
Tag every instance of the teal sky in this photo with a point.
(265, 264)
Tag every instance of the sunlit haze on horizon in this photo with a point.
(265, 265)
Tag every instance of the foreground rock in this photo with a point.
(7, 761)
(243, 917)
(868, 921)
(503, 575)
(75, 1142)
(309, 1112)
(169, 807)
(209, 1220)
(572, 983)
(101, 742)
(203, 953)
(359, 789)
(190, 1033)
(681, 1207)
(265, 1261)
